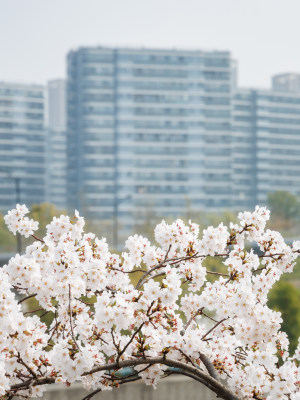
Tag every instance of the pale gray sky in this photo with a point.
(262, 35)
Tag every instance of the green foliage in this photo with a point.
(32, 307)
(8, 242)
(43, 213)
(284, 297)
(283, 205)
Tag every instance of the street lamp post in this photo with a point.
(18, 201)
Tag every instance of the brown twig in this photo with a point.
(27, 297)
(20, 361)
(198, 312)
(130, 341)
(161, 264)
(36, 238)
(217, 324)
(71, 324)
(128, 272)
(33, 311)
(217, 273)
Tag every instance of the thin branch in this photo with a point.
(198, 312)
(271, 255)
(173, 261)
(130, 341)
(36, 238)
(45, 313)
(33, 311)
(218, 323)
(20, 361)
(205, 315)
(161, 264)
(128, 272)
(92, 394)
(217, 273)
(117, 346)
(27, 297)
(194, 256)
(71, 324)
(187, 357)
(84, 302)
(154, 276)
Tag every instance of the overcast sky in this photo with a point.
(262, 35)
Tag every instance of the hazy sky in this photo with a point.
(262, 35)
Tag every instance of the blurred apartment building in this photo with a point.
(162, 131)
(22, 145)
(266, 124)
(56, 144)
(289, 82)
(138, 133)
(32, 144)
(149, 130)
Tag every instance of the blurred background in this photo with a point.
(132, 111)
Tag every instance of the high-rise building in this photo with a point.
(56, 156)
(266, 126)
(243, 150)
(278, 143)
(148, 130)
(22, 142)
(288, 82)
(57, 115)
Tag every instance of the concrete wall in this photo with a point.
(174, 388)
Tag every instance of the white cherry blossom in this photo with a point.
(154, 310)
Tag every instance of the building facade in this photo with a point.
(22, 144)
(289, 82)
(266, 150)
(138, 135)
(56, 144)
(278, 143)
(148, 130)
(243, 150)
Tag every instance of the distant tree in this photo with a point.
(44, 213)
(284, 297)
(8, 241)
(284, 205)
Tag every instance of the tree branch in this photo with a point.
(209, 366)
(195, 373)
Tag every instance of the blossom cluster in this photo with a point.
(17, 222)
(157, 308)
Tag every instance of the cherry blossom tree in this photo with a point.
(179, 317)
